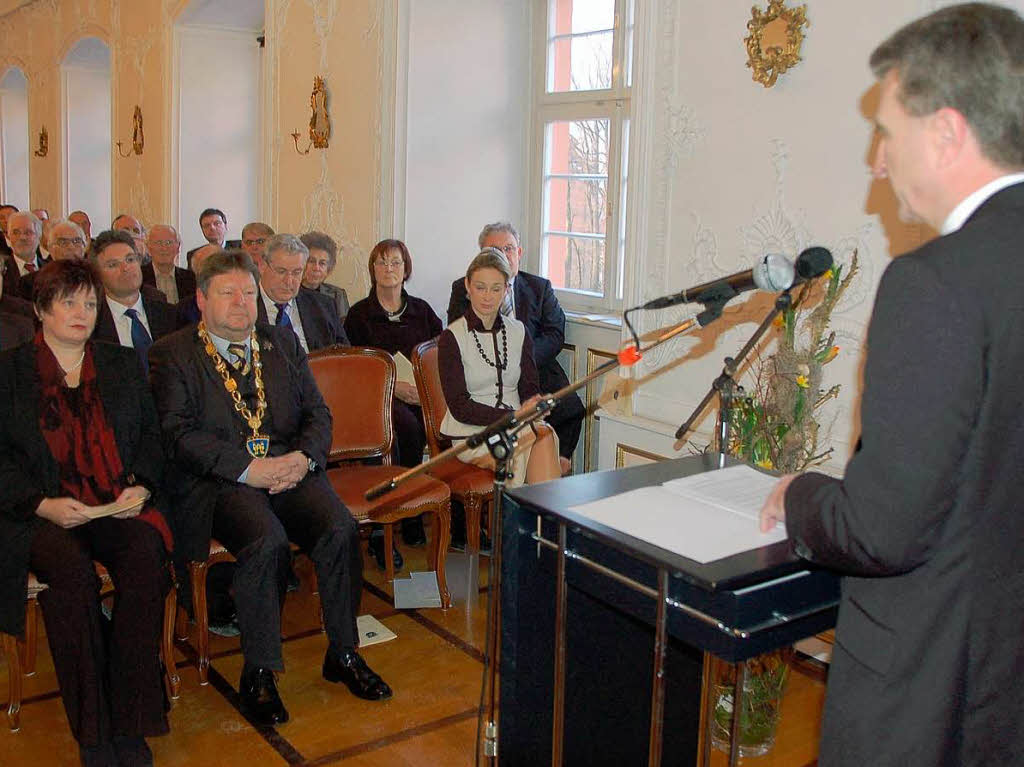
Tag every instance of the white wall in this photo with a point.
(85, 77)
(218, 129)
(729, 170)
(467, 115)
(15, 140)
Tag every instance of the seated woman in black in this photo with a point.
(392, 320)
(78, 430)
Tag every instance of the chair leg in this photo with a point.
(171, 678)
(438, 551)
(181, 624)
(197, 577)
(28, 647)
(473, 506)
(389, 547)
(14, 690)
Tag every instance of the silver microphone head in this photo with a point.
(774, 272)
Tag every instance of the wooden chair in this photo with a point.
(21, 652)
(471, 485)
(358, 384)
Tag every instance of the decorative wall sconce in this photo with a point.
(138, 136)
(44, 143)
(319, 121)
(775, 39)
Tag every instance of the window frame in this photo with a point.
(613, 104)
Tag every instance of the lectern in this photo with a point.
(604, 636)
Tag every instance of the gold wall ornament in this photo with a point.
(319, 121)
(776, 35)
(138, 136)
(44, 143)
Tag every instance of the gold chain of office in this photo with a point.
(258, 444)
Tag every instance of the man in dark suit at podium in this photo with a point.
(927, 524)
(253, 477)
(533, 302)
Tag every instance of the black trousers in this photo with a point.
(410, 436)
(256, 528)
(567, 421)
(110, 688)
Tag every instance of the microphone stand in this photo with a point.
(501, 438)
(725, 385)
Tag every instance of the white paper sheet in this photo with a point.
(403, 369)
(691, 521)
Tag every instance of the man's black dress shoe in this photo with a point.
(377, 549)
(98, 756)
(132, 751)
(351, 669)
(259, 699)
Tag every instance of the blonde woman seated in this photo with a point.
(487, 368)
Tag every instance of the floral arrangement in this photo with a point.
(775, 426)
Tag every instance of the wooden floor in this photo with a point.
(430, 721)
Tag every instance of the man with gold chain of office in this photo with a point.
(248, 434)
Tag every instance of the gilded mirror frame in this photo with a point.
(768, 64)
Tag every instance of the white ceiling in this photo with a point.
(234, 14)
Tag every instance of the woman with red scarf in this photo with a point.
(78, 431)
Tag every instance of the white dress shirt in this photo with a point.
(123, 322)
(959, 215)
(293, 315)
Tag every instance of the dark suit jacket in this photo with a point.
(14, 305)
(205, 437)
(28, 472)
(927, 522)
(320, 323)
(15, 330)
(13, 277)
(538, 309)
(228, 245)
(183, 278)
(162, 317)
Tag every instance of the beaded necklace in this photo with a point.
(499, 364)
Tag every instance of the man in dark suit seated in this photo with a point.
(23, 232)
(175, 283)
(188, 308)
(67, 243)
(533, 302)
(926, 524)
(253, 478)
(131, 314)
(214, 224)
(15, 330)
(311, 315)
(9, 302)
(81, 218)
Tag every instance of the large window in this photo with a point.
(582, 122)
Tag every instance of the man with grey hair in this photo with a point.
(162, 272)
(311, 316)
(532, 301)
(23, 232)
(926, 524)
(67, 243)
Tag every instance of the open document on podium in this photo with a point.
(703, 517)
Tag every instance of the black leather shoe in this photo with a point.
(132, 751)
(352, 670)
(98, 756)
(377, 549)
(259, 699)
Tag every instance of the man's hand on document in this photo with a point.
(774, 509)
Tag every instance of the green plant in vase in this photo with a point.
(775, 426)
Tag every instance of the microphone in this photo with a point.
(773, 272)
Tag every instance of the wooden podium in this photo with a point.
(604, 636)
